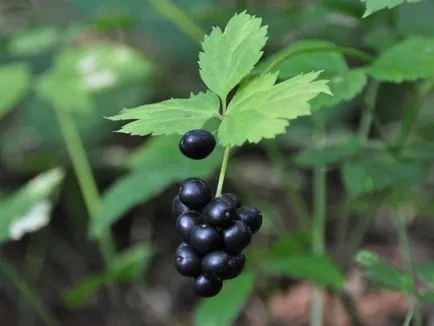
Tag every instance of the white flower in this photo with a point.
(36, 218)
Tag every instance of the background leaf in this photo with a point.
(221, 310)
(157, 166)
(33, 41)
(373, 6)
(228, 56)
(15, 81)
(383, 273)
(426, 272)
(319, 269)
(409, 60)
(28, 208)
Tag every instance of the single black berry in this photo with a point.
(197, 144)
(205, 239)
(207, 287)
(182, 245)
(235, 266)
(215, 264)
(218, 213)
(251, 216)
(185, 224)
(232, 199)
(187, 261)
(178, 207)
(195, 193)
(236, 237)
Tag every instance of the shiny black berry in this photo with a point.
(232, 200)
(236, 237)
(207, 287)
(251, 216)
(197, 144)
(178, 207)
(205, 239)
(195, 193)
(185, 224)
(215, 264)
(187, 261)
(235, 266)
(218, 213)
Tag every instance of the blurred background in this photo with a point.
(68, 64)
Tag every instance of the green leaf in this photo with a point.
(411, 59)
(229, 55)
(174, 116)
(80, 73)
(313, 55)
(292, 243)
(332, 152)
(262, 108)
(319, 269)
(222, 309)
(426, 272)
(14, 83)
(366, 175)
(129, 265)
(156, 166)
(28, 209)
(383, 273)
(33, 41)
(373, 6)
(427, 297)
(78, 295)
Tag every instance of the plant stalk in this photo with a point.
(223, 171)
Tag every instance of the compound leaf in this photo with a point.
(262, 108)
(229, 55)
(173, 116)
(373, 6)
(409, 60)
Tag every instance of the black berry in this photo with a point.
(232, 199)
(207, 287)
(187, 261)
(236, 237)
(215, 264)
(197, 144)
(178, 207)
(252, 217)
(195, 193)
(185, 224)
(205, 239)
(218, 213)
(235, 266)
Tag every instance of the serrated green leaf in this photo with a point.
(373, 6)
(411, 59)
(81, 73)
(128, 266)
(313, 55)
(366, 175)
(329, 154)
(229, 55)
(33, 41)
(174, 116)
(222, 309)
(383, 273)
(14, 83)
(319, 269)
(28, 209)
(156, 166)
(262, 109)
(426, 272)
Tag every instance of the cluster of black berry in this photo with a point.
(215, 231)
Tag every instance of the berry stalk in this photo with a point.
(223, 171)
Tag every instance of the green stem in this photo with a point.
(409, 317)
(223, 171)
(179, 18)
(290, 53)
(408, 261)
(292, 194)
(319, 222)
(26, 291)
